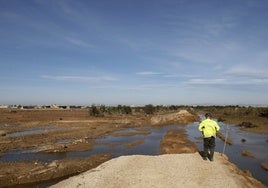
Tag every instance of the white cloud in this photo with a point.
(79, 78)
(207, 81)
(227, 81)
(151, 86)
(145, 73)
(241, 71)
(180, 76)
(79, 42)
(219, 27)
(204, 51)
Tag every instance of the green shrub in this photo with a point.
(149, 109)
(95, 111)
(264, 113)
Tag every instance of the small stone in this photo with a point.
(2, 133)
(247, 154)
(53, 164)
(264, 166)
(247, 172)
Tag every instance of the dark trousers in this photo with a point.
(209, 146)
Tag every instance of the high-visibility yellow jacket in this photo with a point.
(209, 128)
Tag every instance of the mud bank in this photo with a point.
(23, 173)
(176, 141)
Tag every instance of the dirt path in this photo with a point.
(173, 170)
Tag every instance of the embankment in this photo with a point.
(171, 170)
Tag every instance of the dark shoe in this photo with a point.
(211, 159)
(204, 158)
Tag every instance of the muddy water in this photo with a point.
(116, 145)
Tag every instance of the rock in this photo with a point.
(264, 166)
(247, 172)
(53, 164)
(3, 133)
(247, 154)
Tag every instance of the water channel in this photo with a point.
(116, 145)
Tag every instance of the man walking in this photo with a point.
(209, 128)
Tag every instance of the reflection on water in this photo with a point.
(116, 145)
(30, 155)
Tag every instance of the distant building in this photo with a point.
(54, 106)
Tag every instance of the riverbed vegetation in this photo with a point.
(249, 118)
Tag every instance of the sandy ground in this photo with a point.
(171, 170)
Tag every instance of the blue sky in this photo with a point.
(83, 52)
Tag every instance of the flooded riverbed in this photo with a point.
(148, 143)
(114, 144)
